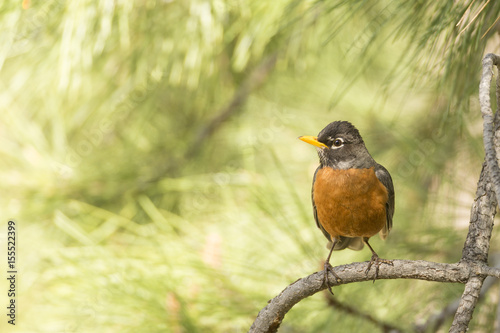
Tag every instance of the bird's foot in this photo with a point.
(376, 261)
(329, 269)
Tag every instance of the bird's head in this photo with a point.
(340, 146)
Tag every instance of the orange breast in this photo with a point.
(350, 202)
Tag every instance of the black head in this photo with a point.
(340, 146)
(335, 134)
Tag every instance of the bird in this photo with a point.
(352, 195)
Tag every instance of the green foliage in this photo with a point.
(134, 217)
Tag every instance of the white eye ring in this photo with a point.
(337, 143)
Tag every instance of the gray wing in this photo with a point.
(385, 178)
(355, 243)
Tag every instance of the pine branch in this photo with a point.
(483, 211)
(484, 101)
(270, 318)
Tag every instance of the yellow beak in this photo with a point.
(313, 140)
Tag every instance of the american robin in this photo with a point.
(352, 195)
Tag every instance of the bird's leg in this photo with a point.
(375, 260)
(329, 269)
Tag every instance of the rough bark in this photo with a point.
(270, 318)
(483, 211)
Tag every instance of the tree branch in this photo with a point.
(483, 212)
(484, 101)
(477, 243)
(269, 319)
(467, 305)
(489, 271)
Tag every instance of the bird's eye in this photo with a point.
(338, 142)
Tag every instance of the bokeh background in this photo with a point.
(149, 155)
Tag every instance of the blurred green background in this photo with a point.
(149, 155)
